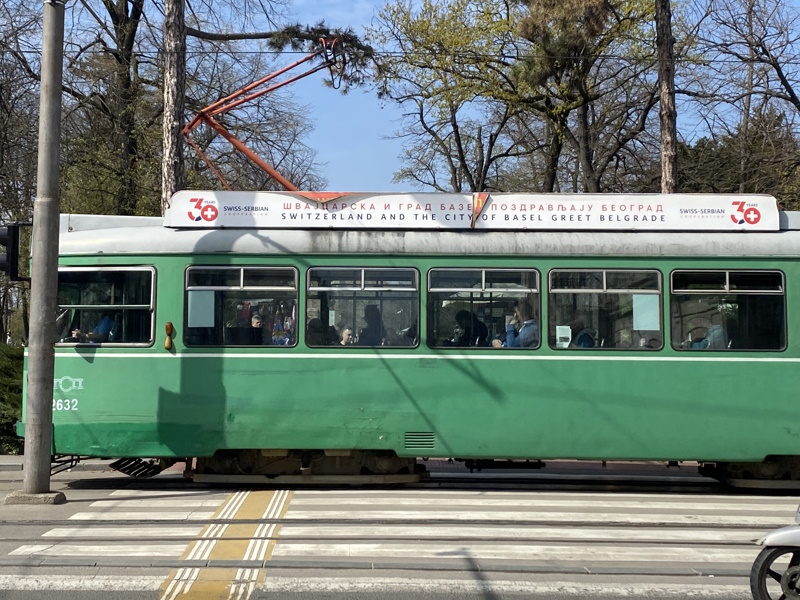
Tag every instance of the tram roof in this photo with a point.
(114, 235)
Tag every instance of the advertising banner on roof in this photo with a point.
(483, 211)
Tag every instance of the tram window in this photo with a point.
(609, 309)
(105, 305)
(728, 310)
(241, 306)
(362, 307)
(469, 308)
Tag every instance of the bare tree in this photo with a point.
(748, 73)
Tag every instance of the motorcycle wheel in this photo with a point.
(776, 574)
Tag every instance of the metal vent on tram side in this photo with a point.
(420, 440)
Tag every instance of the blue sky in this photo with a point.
(350, 130)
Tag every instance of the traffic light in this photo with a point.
(9, 262)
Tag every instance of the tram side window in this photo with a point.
(728, 310)
(600, 308)
(478, 308)
(104, 306)
(241, 306)
(362, 307)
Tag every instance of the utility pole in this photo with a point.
(44, 271)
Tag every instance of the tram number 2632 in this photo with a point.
(65, 404)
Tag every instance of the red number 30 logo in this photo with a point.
(743, 215)
(208, 212)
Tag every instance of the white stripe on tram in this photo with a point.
(501, 355)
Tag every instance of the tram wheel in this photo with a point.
(775, 574)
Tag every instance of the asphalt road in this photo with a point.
(569, 531)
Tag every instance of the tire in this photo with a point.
(770, 567)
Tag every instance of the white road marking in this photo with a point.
(652, 506)
(166, 503)
(569, 518)
(185, 577)
(422, 494)
(119, 532)
(177, 494)
(82, 550)
(665, 534)
(526, 552)
(175, 515)
(246, 579)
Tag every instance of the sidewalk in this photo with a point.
(11, 462)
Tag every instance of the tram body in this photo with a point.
(290, 402)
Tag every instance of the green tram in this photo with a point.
(283, 341)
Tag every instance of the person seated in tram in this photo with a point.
(257, 329)
(315, 333)
(99, 334)
(372, 334)
(522, 330)
(582, 336)
(346, 338)
(718, 337)
(472, 331)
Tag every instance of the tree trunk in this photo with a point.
(584, 149)
(666, 83)
(126, 17)
(748, 98)
(174, 93)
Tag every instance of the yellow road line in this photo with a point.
(230, 542)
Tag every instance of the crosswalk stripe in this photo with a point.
(157, 503)
(136, 531)
(528, 552)
(381, 532)
(539, 516)
(523, 496)
(171, 515)
(514, 502)
(111, 549)
(129, 493)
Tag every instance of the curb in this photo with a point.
(316, 565)
(79, 467)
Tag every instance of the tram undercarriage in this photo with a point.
(346, 466)
(778, 472)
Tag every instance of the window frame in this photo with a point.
(485, 290)
(728, 291)
(309, 289)
(151, 307)
(605, 290)
(241, 287)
